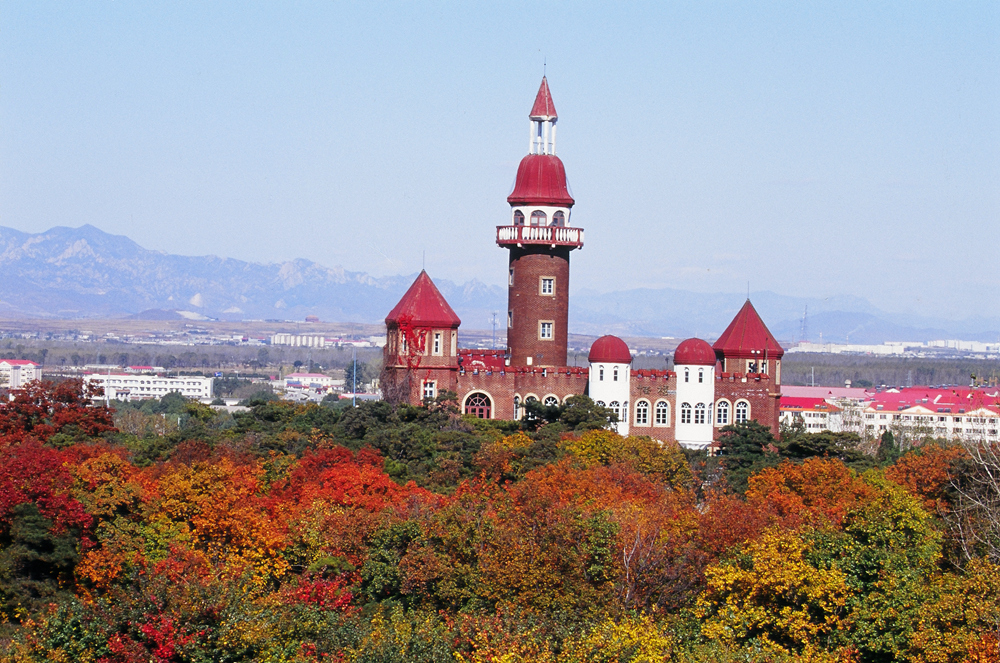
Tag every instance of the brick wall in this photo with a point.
(528, 307)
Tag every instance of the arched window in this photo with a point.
(614, 374)
(742, 412)
(701, 375)
(685, 413)
(600, 403)
(479, 405)
(616, 407)
(662, 413)
(624, 414)
(642, 413)
(600, 374)
(538, 218)
(559, 219)
(687, 375)
(517, 407)
(518, 218)
(550, 401)
(722, 413)
(699, 413)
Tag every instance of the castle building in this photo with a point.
(737, 379)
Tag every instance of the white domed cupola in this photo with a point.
(610, 377)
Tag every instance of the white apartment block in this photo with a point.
(132, 387)
(15, 373)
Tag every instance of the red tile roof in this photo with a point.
(423, 305)
(747, 333)
(541, 180)
(806, 403)
(19, 362)
(543, 109)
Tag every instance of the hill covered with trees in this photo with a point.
(172, 532)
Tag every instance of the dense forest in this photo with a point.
(169, 531)
(832, 370)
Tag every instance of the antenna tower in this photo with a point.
(804, 330)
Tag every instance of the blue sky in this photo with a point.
(809, 148)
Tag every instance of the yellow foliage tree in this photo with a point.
(771, 593)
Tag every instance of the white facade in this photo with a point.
(311, 381)
(15, 373)
(300, 340)
(694, 409)
(131, 387)
(609, 386)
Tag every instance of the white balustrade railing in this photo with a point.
(540, 234)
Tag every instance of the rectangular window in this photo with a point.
(437, 343)
(510, 318)
(430, 389)
(545, 331)
(547, 285)
(510, 277)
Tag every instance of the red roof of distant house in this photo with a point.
(748, 333)
(694, 352)
(543, 109)
(806, 403)
(19, 362)
(950, 400)
(541, 180)
(423, 305)
(609, 350)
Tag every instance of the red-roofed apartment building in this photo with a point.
(737, 379)
(15, 373)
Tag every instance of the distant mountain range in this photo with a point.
(87, 273)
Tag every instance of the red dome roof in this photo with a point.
(694, 352)
(609, 350)
(541, 180)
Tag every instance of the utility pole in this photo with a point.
(494, 346)
(354, 377)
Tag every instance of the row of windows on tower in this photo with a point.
(539, 218)
(699, 414)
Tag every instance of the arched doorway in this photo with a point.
(479, 405)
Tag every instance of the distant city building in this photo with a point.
(312, 318)
(311, 381)
(15, 373)
(131, 386)
(953, 413)
(145, 369)
(736, 380)
(300, 340)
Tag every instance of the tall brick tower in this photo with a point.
(539, 239)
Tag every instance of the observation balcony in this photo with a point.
(554, 236)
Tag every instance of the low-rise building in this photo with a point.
(311, 381)
(15, 373)
(131, 387)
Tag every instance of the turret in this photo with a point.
(747, 346)
(610, 377)
(539, 237)
(694, 363)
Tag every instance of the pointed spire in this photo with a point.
(543, 109)
(747, 333)
(423, 305)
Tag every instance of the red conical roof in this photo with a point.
(541, 180)
(543, 109)
(609, 350)
(747, 332)
(423, 305)
(694, 352)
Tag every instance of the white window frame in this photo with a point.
(430, 389)
(437, 346)
(641, 413)
(549, 281)
(551, 329)
(664, 411)
(722, 406)
(745, 414)
(699, 413)
(686, 413)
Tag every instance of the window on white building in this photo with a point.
(614, 374)
(699, 413)
(600, 374)
(559, 219)
(685, 413)
(538, 218)
(518, 218)
(701, 376)
(687, 375)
